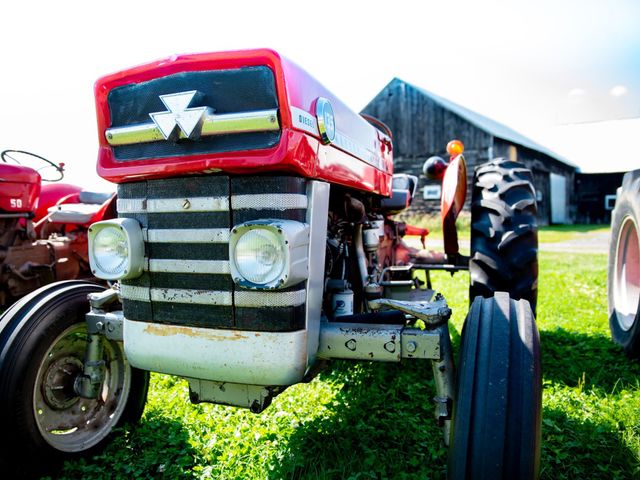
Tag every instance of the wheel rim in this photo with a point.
(66, 421)
(626, 286)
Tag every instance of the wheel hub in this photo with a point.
(627, 274)
(58, 381)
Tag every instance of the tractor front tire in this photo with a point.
(497, 413)
(42, 347)
(623, 283)
(504, 232)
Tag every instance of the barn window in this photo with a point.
(609, 202)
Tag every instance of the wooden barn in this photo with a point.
(596, 196)
(422, 123)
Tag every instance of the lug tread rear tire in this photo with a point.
(504, 232)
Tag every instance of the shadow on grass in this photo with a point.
(577, 448)
(154, 448)
(593, 360)
(380, 425)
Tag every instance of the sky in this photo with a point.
(564, 73)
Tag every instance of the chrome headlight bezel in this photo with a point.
(134, 262)
(294, 242)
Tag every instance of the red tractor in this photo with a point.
(254, 241)
(43, 228)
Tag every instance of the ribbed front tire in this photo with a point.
(497, 414)
(43, 339)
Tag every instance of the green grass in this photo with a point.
(369, 421)
(434, 224)
(546, 234)
(562, 233)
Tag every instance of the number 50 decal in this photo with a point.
(16, 203)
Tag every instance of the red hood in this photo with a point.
(18, 174)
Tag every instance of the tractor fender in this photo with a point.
(454, 193)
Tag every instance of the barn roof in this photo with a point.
(490, 126)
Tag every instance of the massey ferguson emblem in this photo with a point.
(180, 118)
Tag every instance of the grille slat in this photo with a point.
(188, 235)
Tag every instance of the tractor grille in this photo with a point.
(186, 223)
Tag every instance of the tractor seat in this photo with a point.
(403, 190)
(93, 198)
(79, 213)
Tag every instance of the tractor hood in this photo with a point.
(243, 112)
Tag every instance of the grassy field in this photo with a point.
(546, 234)
(562, 233)
(361, 421)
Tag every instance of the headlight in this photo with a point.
(116, 249)
(260, 256)
(269, 253)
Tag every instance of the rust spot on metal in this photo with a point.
(170, 330)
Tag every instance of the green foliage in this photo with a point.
(370, 421)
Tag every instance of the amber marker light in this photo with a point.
(455, 148)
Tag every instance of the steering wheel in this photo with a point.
(21, 157)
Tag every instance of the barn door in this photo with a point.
(558, 195)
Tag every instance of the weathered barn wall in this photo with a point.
(422, 126)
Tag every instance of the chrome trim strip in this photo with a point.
(197, 297)
(140, 294)
(271, 201)
(186, 235)
(217, 267)
(262, 298)
(317, 213)
(260, 121)
(242, 122)
(172, 205)
(194, 204)
(206, 297)
(131, 205)
(176, 295)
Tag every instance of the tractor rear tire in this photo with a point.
(42, 344)
(504, 232)
(497, 414)
(623, 284)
